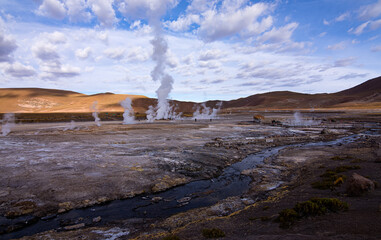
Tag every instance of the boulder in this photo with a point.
(358, 185)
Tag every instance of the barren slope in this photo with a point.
(38, 100)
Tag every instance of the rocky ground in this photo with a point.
(49, 170)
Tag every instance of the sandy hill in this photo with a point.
(36, 100)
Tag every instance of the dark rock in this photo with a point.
(358, 185)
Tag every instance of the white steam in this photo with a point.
(205, 112)
(8, 123)
(299, 121)
(94, 108)
(70, 126)
(128, 115)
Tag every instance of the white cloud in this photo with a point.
(138, 54)
(370, 11)
(19, 70)
(325, 22)
(53, 72)
(322, 34)
(282, 34)
(45, 51)
(104, 11)
(57, 37)
(234, 20)
(344, 62)
(369, 25)
(343, 17)
(83, 53)
(198, 6)
(338, 46)
(115, 53)
(103, 36)
(182, 23)
(7, 46)
(210, 54)
(52, 8)
(145, 9)
(77, 11)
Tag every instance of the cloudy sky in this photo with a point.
(217, 49)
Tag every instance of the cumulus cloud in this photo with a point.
(145, 9)
(234, 19)
(57, 37)
(83, 53)
(138, 54)
(104, 11)
(344, 62)
(45, 51)
(103, 36)
(370, 11)
(7, 46)
(52, 8)
(115, 53)
(19, 70)
(182, 23)
(77, 11)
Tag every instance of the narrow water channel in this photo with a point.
(178, 199)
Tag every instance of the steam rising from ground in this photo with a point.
(205, 112)
(128, 115)
(8, 123)
(160, 48)
(94, 108)
(299, 121)
(70, 126)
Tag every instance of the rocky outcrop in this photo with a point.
(358, 185)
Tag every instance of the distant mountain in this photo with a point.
(365, 95)
(36, 100)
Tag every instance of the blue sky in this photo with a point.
(217, 49)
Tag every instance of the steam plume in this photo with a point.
(8, 123)
(160, 47)
(206, 113)
(299, 121)
(94, 108)
(128, 115)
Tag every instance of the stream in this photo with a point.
(192, 195)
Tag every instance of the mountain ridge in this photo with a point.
(366, 95)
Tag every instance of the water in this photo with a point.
(178, 199)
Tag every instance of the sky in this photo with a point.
(216, 49)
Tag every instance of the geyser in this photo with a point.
(94, 108)
(8, 123)
(205, 112)
(128, 115)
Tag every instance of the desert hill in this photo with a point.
(36, 100)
